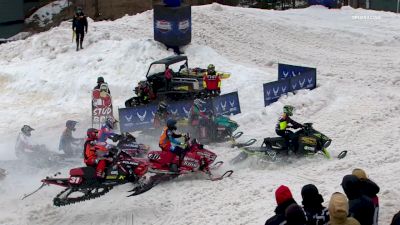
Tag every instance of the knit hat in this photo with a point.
(360, 174)
(282, 194)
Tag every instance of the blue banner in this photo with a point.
(327, 3)
(227, 104)
(137, 118)
(273, 90)
(307, 80)
(142, 117)
(288, 71)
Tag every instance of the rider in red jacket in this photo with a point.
(91, 156)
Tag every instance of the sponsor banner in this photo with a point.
(288, 71)
(227, 104)
(327, 3)
(101, 106)
(273, 90)
(307, 80)
(137, 118)
(142, 117)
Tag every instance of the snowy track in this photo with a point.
(44, 82)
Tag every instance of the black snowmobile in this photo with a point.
(183, 85)
(127, 143)
(309, 142)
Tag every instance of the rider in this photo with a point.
(106, 130)
(24, 146)
(91, 152)
(67, 142)
(161, 115)
(197, 118)
(212, 81)
(168, 142)
(282, 125)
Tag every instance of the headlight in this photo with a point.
(327, 143)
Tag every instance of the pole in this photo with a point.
(398, 4)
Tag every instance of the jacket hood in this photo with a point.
(351, 186)
(311, 197)
(338, 208)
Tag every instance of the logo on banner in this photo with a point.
(223, 106)
(174, 112)
(293, 74)
(283, 88)
(285, 74)
(184, 25)
(163, 26)
(294, 86)
(129, 118)
(232, 103)
(141, 117)
(301, 83)
(268, 92)
(275, 91)
(187, 112)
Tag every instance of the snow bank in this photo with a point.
(44, 15)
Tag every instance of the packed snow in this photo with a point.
(44, 82)
(44, 15)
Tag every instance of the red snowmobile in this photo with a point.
(84, 185)
(196, 159)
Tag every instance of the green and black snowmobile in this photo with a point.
(310, 142)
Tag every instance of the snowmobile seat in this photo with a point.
(86, 172)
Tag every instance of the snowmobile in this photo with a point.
(42, 157)
(128, 144)
(184, 84)
(196, 159)
(83, 184)
(3, 173)
(309, 142)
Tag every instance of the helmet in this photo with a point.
(171, 124)
(26, 129)
(70, 124)
(211, 67)
(104, 87)
(110, 122)
(100, 80)
(198, 102)
(79, 11)
(92, 134)
(288, 110)
(162, 105)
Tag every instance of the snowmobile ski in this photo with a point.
(243, 144)
(228, 173)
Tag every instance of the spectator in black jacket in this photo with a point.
(312, 205)
(284, 199)
(396, 219)
(370, 189)
(80, 27)
(295, 215)
(361, 206)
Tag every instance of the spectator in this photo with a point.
(284, 199)
(338, 211)
(80, 27)
(361, 207)
(168, 77)
(312, 205)
(396, 219)
(295, 215)
(100, 81)
(370, 189)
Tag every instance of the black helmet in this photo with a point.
(70, 124)
(100, 80)
(79, 11)
(26, 129)
(171, 124)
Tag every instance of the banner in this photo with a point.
(288, 71)
(274, 90)
(307, 80)
(101, 106)
(227, 104)
(137, 118)
(142, 117)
